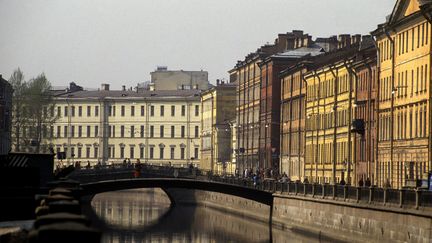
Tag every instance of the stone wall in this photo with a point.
(350, 221)
(220, 201)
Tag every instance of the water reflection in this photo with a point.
(145, 215)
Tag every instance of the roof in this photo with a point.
(131, 94)
(315, 50)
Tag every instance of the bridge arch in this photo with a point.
(93, 188)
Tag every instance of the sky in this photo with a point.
(120, 42)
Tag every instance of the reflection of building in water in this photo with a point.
(131, 208)
(139, 216)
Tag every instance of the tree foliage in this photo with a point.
(32, 113)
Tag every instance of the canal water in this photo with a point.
(145, 215)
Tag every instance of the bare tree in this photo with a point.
(33, 112)
(19, 119)
(41, 109)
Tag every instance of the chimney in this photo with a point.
(281, 43)
(105, 87)
(217, 82)
(123, 87)
(344, 41)
(355, 39)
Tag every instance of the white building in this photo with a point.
(157, 127)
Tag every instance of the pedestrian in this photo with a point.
(368, 182)
(361, 182)
(137, 172)
(342, 182)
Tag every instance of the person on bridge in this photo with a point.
(137, 172)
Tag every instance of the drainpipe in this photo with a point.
(335, 102)
(299, 132)
(392, 104)
(369, 122)
(352, 73)
(305, 132)
(318, 125)
(377, 102)
(426, 12)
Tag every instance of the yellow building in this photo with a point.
(218, 111)
(108, 126)
(330, 109)
(404, 111)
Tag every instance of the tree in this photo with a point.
(19, 121)
(32, 113)
(41, 109)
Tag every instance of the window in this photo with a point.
(132, 110)
(79, 131)
(121, 152)
(66, 111)
(113, 131)
(122, 112)
(79, 152)
(196, 110)
(152, 110)
(88, 111)
(142, 110)
(196, 153)
(72, 152)
(141, 152)
(73, 111)
(58, 131)
(142, 131)
(51, 131)
(95, 152)
(182, 131)
(96, 110)
(151, 152)
(132, 152)
(88, 152)
(59, 111)
(79, 110)
(161, 153)
(122, 131)
(196, 131)
(172, 110)
(72, 131)
(172, 131)
(183, 110)
(96, 131)
(172, 153)
(65, 131)
(113, 110)
(88, 131)
(162, 110)
(109, 110)
(161, 131)
(182, 153)
(151, 131)
(132, 131)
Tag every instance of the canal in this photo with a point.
(145, 215)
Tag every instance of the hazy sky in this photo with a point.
(122, 41)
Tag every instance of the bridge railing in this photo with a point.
(404, 198)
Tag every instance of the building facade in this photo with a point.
(5, 115)
(164, 79)
(331, 112)
(108, 126)
(404, 107)
(218, 110)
